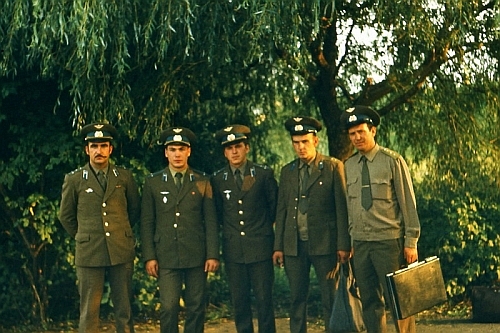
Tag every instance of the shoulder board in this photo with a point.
(199, 172)
(292, 165)
(263, 166)
(157, 173)
(218, 171)
(389, 152)
(75, 171)
(356, 153)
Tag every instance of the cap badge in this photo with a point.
(352, 118)
(177, 130)
(297, 119)
(228, 129)
(298, 128)
(177, 137)
(231, 137)
(98, 134)
(350, 110)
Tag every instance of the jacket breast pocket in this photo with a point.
(353, 187)
(381, 189)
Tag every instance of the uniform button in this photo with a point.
(242, 233)
(175, 225)
(240, 212)
(104, 214)
(108, 234)
(240, 201)
(242, 222)
(296, 199)
(104, 204)
(177, 214)
(106, 224)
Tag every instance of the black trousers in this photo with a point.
(170, 284)
(297, 270)
(243, 278)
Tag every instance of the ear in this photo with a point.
(87, 149)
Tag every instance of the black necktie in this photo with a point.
(101, 177)
(303, 201)
(178, 180)
(237, 178)
(366, 191)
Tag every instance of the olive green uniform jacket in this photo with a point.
(101, 222)
(327, 211)
(246, 215)
(179, 229)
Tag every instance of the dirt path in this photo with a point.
(423, 326)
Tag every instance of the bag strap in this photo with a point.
(334, 273)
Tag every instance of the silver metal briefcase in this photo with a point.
(417, 287)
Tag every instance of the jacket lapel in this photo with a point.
(315, 171)
(248, 180)
(112, 181)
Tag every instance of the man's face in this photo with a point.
(177, 156)
(305, 146)
(236, 154)
(99, 153)
(363, 137)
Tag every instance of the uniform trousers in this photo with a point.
(297, 270)
(242, 278)
(170, 284)
(372, 261)
(91, 285)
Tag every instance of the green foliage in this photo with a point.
(460, 229)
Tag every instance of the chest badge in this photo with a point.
(228, 194)
(89, 190)
(164, 196)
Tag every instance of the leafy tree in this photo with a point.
(429, 67)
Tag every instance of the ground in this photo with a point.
(424, 325)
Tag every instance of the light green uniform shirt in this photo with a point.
(393, 213)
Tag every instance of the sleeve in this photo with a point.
(339, 187)
(272, 195)
(407, 202)
(279, 228)
(211, 224)
(148, 223)
(68, 207)
(133, 200)
(217, 200)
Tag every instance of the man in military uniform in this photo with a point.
(245, 194)
(179, 233)
(383, 220)
(311, 220)
(100, 202)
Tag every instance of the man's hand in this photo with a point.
(411, 255)
(343, 256)
(211, 265)
(278, 259)
(152, 268)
